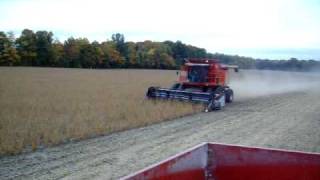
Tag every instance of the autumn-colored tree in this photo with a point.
(8, 53)
(39, 49)
(72, 51)
(112, 56)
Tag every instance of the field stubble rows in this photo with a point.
(277, 121)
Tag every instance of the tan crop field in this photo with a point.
(40, 106)
(47, 106)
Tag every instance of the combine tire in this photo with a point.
(209, 107)
(176, 86)
(150, 92)
(214, 103)
(219, 106)
(229, 96)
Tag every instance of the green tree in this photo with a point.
(119, 41)
(58, 53)
(91, 55)
(86, 56)
(179, 52)
(27, 47)
(45, 52)
(98, 54)
(71, 53)
(131, 54)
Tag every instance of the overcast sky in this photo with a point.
(258, 28)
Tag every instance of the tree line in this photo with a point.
(41, 49)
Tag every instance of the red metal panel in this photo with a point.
(228, 162)
(237, 162)
(188, 165)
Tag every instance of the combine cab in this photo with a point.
(200, 80)
(230, 162)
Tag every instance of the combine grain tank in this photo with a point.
(230, 162)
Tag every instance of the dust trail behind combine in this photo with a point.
(253, 83)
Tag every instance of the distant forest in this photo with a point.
(40, 49)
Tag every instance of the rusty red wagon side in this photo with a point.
(228, 162)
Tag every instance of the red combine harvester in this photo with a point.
(200, 80)
(229, 162)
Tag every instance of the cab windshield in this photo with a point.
(198, 73)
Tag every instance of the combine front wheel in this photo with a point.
(229, 96)
(209, 107)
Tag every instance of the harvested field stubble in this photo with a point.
(46, 106)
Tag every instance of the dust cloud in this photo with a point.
(254, 83)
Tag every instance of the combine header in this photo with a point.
(200, 80)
